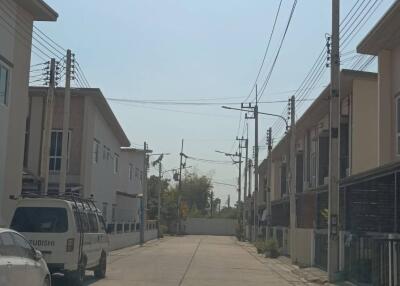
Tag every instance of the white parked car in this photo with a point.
(20, 263)
(69, 232)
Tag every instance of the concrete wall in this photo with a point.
(304, 245)
(121, 240)
(205, 226)
(364, 129)
(15, 54)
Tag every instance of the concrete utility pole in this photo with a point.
(246, 146)
(251, 230)
(256, 166)
(211, 203)
(333, 188)
(142, 220)
(47, 126)
(145, 167)
(67, 107)
(159, 199)
(240, 172)
(179, 190)
(292, 179)
(269, 174)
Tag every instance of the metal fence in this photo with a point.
(321, 250)
(373, 261)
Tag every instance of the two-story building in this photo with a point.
(16, 24)
(358, 152)
(100, 163)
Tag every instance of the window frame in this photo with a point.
(116, 163)
(130, 172)
(55, 157)
(397, 131)
(5, 102)
(95, 151)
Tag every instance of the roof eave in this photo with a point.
(39, 9)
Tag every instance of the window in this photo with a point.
(93, 226)
(106, 153)
(96, 146)
(130, 172)
(113, 212)
(136, 173)
(56, 149)
(104, 211)
(141, 177)
(40, 220)
(116, 159)
(398, 125)
(4, 82)
(7, 246)
(23, 247)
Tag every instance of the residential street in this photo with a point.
(193, 260)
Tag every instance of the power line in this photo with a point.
(264, 86)
(266, 49)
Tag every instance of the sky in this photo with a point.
(201, 51)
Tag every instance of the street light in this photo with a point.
(259, 112)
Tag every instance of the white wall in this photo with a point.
(121, 240)
(214, 226)
(13, 116)
(101, 181)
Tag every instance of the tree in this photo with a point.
(152, 195)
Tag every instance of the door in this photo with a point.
(4, 266)
(33, 268)
(14, 263)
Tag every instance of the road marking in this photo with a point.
(190, 263)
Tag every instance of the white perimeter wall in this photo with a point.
(121, 240)
(213, 226)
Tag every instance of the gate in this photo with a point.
(321, 250)
(373, 261)
(386, 263)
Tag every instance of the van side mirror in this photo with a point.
(37, 255)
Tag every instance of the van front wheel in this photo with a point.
(100, 271)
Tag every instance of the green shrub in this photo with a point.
(260, 246)
(271, 248)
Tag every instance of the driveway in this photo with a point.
(192, 260)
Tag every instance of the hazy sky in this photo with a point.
(192, 50)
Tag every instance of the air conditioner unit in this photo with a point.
(326, 180)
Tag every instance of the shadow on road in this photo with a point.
(60, 281)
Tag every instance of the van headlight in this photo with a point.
(70, 244)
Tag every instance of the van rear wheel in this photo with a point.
(100, 271)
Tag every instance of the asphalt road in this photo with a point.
(190, 260)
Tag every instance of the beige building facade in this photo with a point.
(17, 19)
(100, 163)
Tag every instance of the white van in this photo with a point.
(70, 233)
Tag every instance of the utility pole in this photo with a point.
(142, 220)
(240, 172)
(269, 175)
(254, 109)
(249, 197)
(47, 126)
(67, 107)
(333, 188)
(159, 199)
(211, 203)
(246, 147)
(179, 190)
(292, 178)
(145, 167)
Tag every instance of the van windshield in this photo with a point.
(39, 219)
